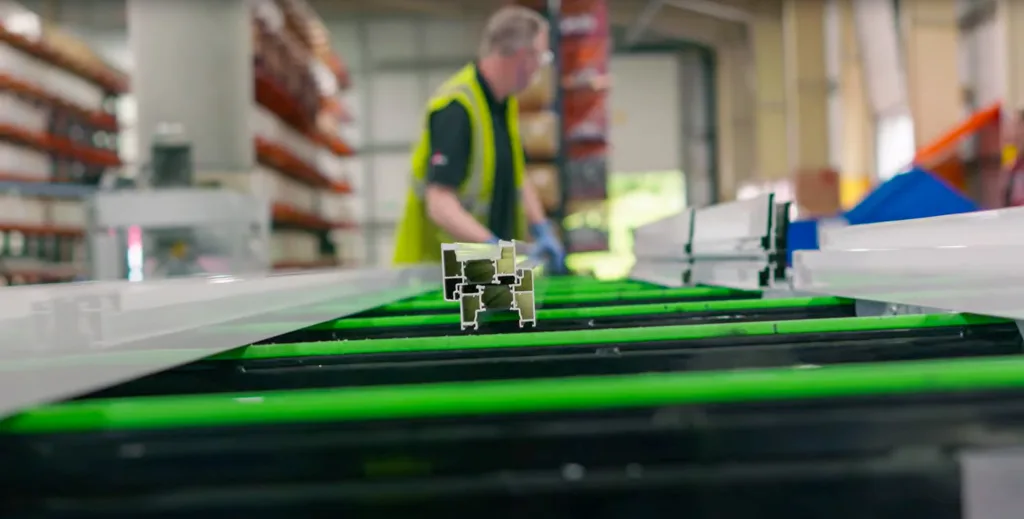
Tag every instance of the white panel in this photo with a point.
(352, 100)
(646, 119)
(880, 51)
(294, 246)
(385, 247)
(732, 228)
(127, 110)
(17, 112)
(391, 182)
(666, 239)
(396, 107)
(67, 212)
(966, 53)
(962, 263)
(351, 246)
(14, 209)
(24, 161)
(128, 148)
(434, 79)
(450, 38)
(114, 48)
(345, 42)
(990, 74)
(358, 203)
(391, 40)
(894, 145)
(834, 65)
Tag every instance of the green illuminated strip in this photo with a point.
(156, 357)
(572, 280)
(352, 323)
(562, 299)
(609, 336)
(586, 288)
(485, 398)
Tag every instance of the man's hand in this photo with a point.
(547, 245)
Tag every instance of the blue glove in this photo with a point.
(547, 246)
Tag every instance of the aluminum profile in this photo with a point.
(485, 277)
(967, 263)
(51, 332)
(662, 250)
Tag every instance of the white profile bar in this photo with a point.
(964, 263)
(48, 333)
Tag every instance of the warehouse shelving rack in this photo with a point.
(293, 26)
(59, 134)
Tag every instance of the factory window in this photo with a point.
(634, 199)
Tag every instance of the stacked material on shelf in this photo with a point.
(585, 48)
(539, 126)
(59, 137)
(299, 149)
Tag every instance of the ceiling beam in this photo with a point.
(717, 10)
(435, 8)
(675, 24)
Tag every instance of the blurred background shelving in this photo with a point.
(299, 150)
(338, 93)
(58, 139)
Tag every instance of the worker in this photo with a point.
(468, 169)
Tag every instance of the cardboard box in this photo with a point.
(540, 94)
(817, 193)
(540, 134)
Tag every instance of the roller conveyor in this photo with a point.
(584, 352)
(570, 299)
(717, 402)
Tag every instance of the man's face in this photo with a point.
(531, 60)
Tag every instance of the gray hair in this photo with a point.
(510, 29)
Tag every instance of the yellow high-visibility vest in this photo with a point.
(418, 239)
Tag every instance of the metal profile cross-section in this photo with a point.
(487, 277)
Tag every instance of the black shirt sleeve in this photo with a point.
(450, 142)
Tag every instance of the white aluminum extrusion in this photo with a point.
(733, 229)
(738, 274)
(734, 244)
(665, 239)
(963, 263)
(488, 277)
(662, 250)
(52, 334)
(665, 273)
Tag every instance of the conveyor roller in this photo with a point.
(844, 396)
